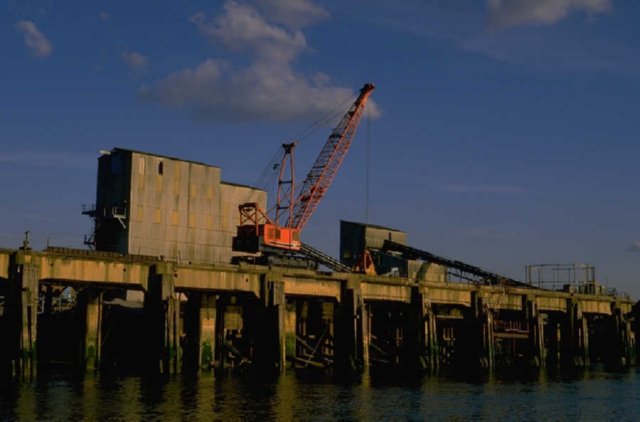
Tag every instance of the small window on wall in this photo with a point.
(141, 165)
(160, 167)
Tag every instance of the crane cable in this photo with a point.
(368, 167)
(268, 175)
(333, 114)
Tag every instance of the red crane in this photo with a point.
(257, 230)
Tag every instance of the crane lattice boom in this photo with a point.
(257, 231)
(329, 161)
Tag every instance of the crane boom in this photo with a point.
(329, 161)
(259, 232)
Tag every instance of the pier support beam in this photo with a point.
(90, 310)
(310, 335)
(21, 315)
(575, 337)
(207, 349)
(536, 333)
(485, 339)
(624, 353)
(426, 335)
(200, 330)
(553, 339)
(163, 318)
(351, 345)
(270, 336)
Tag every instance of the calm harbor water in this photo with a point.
(589, 395)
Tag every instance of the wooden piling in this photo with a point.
(207, 332)
(426, 333)
(536, 333)
(270, 334)
(623, 352)
(575, 337)
(351, 338)
(484, 322)
(553, 340)
(163, 312)
(200, 332)
(22, 313)
(90, 311)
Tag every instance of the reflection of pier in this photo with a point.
(195, 316)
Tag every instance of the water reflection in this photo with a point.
(534, 395)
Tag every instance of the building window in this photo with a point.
(160, 167)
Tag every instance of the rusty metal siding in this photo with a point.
(176, 209)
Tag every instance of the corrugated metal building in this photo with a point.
(356, 237)
(151, 204)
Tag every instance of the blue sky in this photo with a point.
(504, 132)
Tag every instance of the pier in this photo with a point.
(161, 289)
(195, 317)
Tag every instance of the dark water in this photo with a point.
(582, 396)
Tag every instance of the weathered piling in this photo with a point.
(536, 343)
(427, 334)
(21, 310)
(575, 337)
(162, 311)
(552, 334)
(90, 313)
(623, 352)
(238, 317)
(200, 332)
(270, 350)
(351, 350)
(310, 336)
(483, 316)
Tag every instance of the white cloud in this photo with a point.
(35, 40)
(268, 87)
(243, 28)
(508, 13)
(135, 61)
(263, 91)
(635, 246)
(104, 16)
(186, 85)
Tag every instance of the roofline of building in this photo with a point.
(168, 157)
(373, 226)
(240, 185)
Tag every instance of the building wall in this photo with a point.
(375, 236)
(177, 209)
(426, 271)
(113, 192)
(356, 237)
